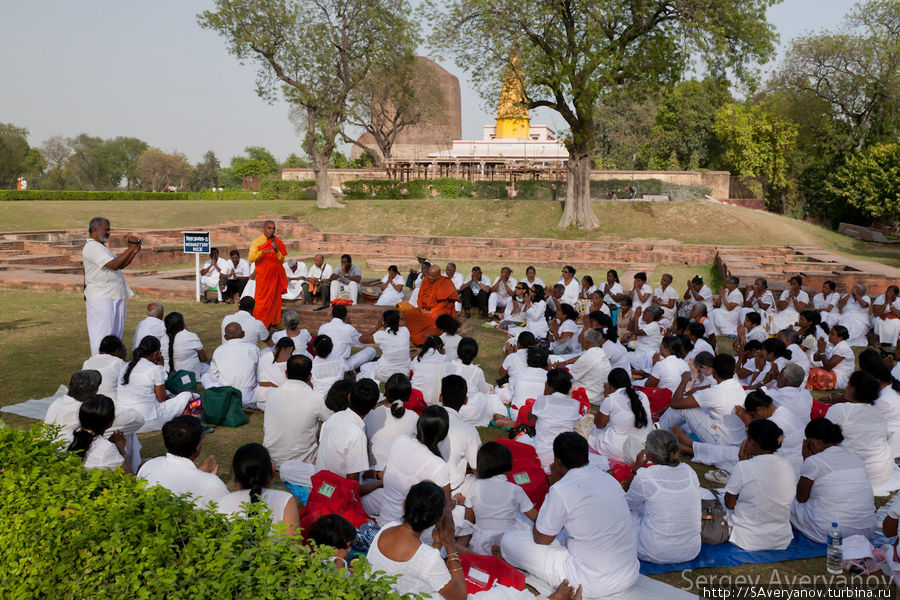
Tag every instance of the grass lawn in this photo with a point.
(44, 336)
(696, 222)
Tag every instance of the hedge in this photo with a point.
(84, 195)
(490, 190)
(71, 533)
(287, 189)
(361, 189)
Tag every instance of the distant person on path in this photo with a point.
(268, 252)
(105, 290)
(437, 296)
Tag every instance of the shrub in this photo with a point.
(70, 533)
(287, 189)
(85, 195)
(490, 190)
(361, 189)
(537, 189)
(449, 187)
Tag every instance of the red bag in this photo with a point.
(332, 493)
(659, 398)
(527, 472)
(310, 347)
(523, 417)
(819, 409)
(619, 470)
(342, 302)
(483, 571)
(416, 402)
(580, 394)
(821, 379)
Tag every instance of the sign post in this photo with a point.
(196, 243)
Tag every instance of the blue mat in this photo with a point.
(729, 555)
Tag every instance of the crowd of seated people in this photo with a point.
(592, 377)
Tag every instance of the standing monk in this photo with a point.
(437, 296)
(268, 252)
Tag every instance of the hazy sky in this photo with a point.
(146, 69)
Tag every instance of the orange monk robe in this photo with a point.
(271, 280)
(435, 299)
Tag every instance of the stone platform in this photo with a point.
(52, 259)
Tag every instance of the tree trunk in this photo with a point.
(324, 197)
(579, 210)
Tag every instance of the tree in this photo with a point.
(56, 152)
(869, 182)
(257, 163)
(392, 100)
(855, 70)
(206, 173)
(13, 152)
(624, 125)
(122, 155)
(683, 124)
(159, 170)
(569, 56)
(90, 166)
(317, 53)
(296, 162)
(756, 144)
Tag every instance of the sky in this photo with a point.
(146, 69)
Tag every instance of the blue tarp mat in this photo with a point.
(729, 555)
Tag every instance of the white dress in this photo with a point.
(185, 353)
(382, 428)
(269, 371)
(820, 301)
(408, 463)
(390, 296)
(611, 441)
(139, 395)
(497, 504)
(865, 434)
(427, 375)
(394, 355)
(725, 321)
(761, 519)
(665, 509)
(102, 454)
(787, 318)
(844, 369)
(556, 413)
(856, 319)
(841, 493)
(301, 341)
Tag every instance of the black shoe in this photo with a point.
(323, 307)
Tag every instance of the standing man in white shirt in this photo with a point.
(600, 552)
(254, 330)
(344, 336)
(293, 413)
(105, 290)
(502, 293)
(213, 274)
(237, 277)
(176, 470)
(318, 281)
(234, 363)
(152, 325)
(346, 280)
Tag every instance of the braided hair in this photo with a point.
(148, 346)
(252, 467)
(95, 415)
(174, 322)
(619, 379)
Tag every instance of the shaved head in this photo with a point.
(155, 309)
(233, 331)
(434, 273)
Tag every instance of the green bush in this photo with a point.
(362, 189)
(71, 533)
(85, 195)
(490, 190)
(449, 187)
(537, 189)
(225, 195)
(287, 189)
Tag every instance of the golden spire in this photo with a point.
(512, 115)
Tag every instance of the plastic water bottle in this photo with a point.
(834, 563)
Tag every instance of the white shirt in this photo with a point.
(719, 402)
(528, 383)
(706, 297)
(343, 446)
(573, 288)
(100, 282)
(761, 519)
(758, 333)
(570, 344)
(185, 352)
(149, 326)
(343, 336)
(241, 270)
(293, 412)
(611, 440)
(798, 400)
(325, 371)
(427, 374)
(665, 295)
(254, 330)
(649, 342)
(301, 341)
(323, 272)
(515, 361)
(394, 350)
(556, 413)
(451, 343)
(590, 506)
(618, 355)
(179, 475)
(734, 297)
(139, 394)
(390, 296)
(497, 503)
(614, 290)
(102, 454)
(110, 367)
(645, 289)
(424, 573)
(65, 413)
(222, 267)
(668, 371)
(667, 501)
(501, 289)
(235, 363)
(535, 320)
(591, 371)
(889, 404)
(766, 298)
(701, 345)
(801, 297)
(276, 500)
(270, 371)
(408, 463)
(865, 434)
(382, 428)
(844, 369)
(460, 448)
(299, 269)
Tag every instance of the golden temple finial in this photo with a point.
(512, 115)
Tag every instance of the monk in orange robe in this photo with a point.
(437, 296)
(268, 252)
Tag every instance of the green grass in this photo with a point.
(695, 222)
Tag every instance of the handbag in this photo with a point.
(181, 381)
(527, 472)
(714, 528)
(223, 406)
(333, 494)
(483, 572)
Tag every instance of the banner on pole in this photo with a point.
(196, 242)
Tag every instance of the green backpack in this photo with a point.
(181, 381)
(223, 406)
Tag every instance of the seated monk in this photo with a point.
(437, 296)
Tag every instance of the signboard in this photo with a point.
(196, 242)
